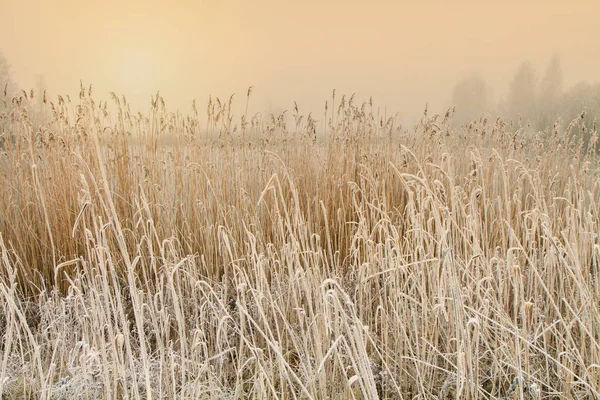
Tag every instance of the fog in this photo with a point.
(483, 56)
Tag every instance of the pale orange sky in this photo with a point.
(403, 53)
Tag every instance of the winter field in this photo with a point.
(208, 255)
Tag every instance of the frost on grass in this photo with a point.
(163, 256)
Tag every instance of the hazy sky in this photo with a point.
(403, 53)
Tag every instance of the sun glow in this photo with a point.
(137, 70)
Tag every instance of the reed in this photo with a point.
(164, 256)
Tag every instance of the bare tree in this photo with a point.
(6, 83)
(549, 94)
(521, 101)
(471, 98)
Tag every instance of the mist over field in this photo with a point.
(404, 54)
(299, 200)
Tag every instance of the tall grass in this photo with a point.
(192, 256)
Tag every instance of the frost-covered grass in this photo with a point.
(141, 257)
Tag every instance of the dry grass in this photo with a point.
(142, 257)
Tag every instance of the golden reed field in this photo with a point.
(332, 256)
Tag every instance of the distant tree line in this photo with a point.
(6, 83)
(529, 100)
(10, 89)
